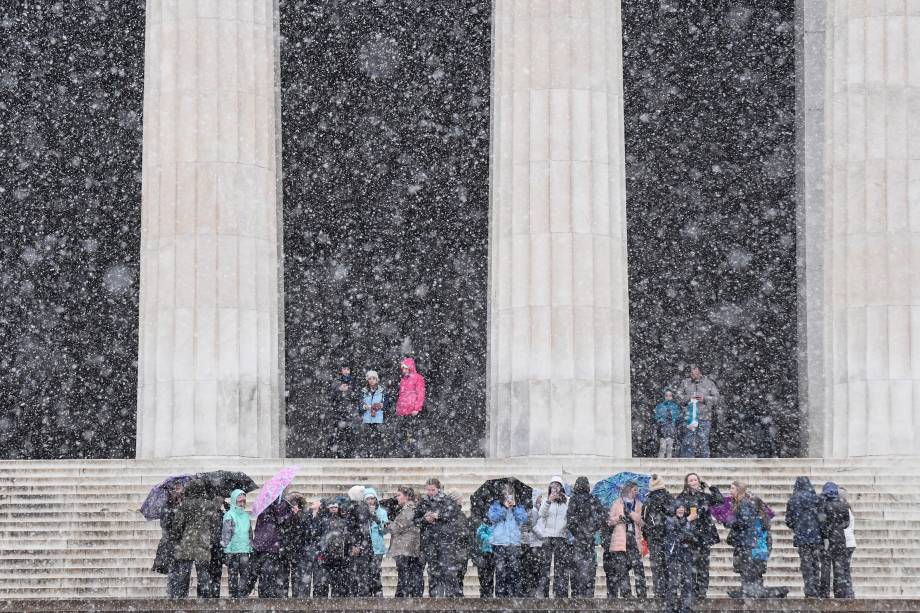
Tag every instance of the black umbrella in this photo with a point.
(223, 482)
(494, 489)
(391, 506)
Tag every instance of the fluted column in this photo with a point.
(209, 368)
(872, 216)
(558, 307)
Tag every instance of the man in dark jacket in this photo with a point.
(802, 518)
(655, 513)
(585, 516)
(342, 403)
(834, 517)
(435, 516)
(196, 520)
(360, 548)
(703, 390)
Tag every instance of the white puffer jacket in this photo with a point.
(552, 520)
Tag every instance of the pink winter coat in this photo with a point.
(411, 391)
(618, 540)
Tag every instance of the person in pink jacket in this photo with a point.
(409, 403)
(411, 390)
(625, 521)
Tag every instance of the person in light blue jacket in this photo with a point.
(507, 516)
(378, 527)
(374, 402)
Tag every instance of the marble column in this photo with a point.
(871, 252)
(558, 306)
(210, 371)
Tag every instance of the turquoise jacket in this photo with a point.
(484, 538)
(240, 541)
(378, 526)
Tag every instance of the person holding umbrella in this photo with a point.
(507, 517)
(273, 571)
(166, 549)
(195, 522)
(625, 520)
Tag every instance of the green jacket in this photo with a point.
(241, 539)
(197, 520)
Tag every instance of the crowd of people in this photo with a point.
(335, 547)
(684, 416)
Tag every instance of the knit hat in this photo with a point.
(372, 373)
(656, 483)
(356, 493)
(830, 489)
(370, 492)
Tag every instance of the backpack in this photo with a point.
(654, 521)
(761, 550)
(333, 543)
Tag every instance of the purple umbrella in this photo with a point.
(156, 500)
(724, 515)
(273, 488)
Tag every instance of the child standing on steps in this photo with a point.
(667, 416)
(236, 538)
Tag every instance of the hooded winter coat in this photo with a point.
(834, 516)
(378, 524)
(197, 520)
(802, 514)
(655, 512)
(411, 391)
(586, 515)
(619, 533)
(238, 521)
(706, 533)
(551, 515)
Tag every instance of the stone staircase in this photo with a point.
(69, 529)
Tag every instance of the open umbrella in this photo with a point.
(391, 506)
(494, 489)
(223, 482)
(153, 505)
(724, 514)
(272, 489)
(607, 490)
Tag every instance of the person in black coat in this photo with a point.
(585, 516)
(655, 513)
(334, 551)
(743, 538)
(802, 519)
(361, 550)
(676, 580)
(699, 497)
(435, 517)
(342, 414)
(166, 549)
(834, 517)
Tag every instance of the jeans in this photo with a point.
(238, 574)
(659, 565)
(700, 555)
(485, 568)
(302, 567)
(696, 442)
(584, 567)
(273, 575)
(810, 565)
(180, 573)
(507, 571)
(410, 580)
(836, 562)
(666, 447)
(557, 556)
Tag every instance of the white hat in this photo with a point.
(356, 493)
(372, 373)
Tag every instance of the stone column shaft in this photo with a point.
(559, 335)
(872, 219)
(209, 367)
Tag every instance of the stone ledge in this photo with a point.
(387, 605)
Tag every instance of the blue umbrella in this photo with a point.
(607, 490)
(156, 500)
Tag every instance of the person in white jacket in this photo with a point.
(551, 527)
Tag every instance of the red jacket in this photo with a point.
(411, 391)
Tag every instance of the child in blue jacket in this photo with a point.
(667, 417)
